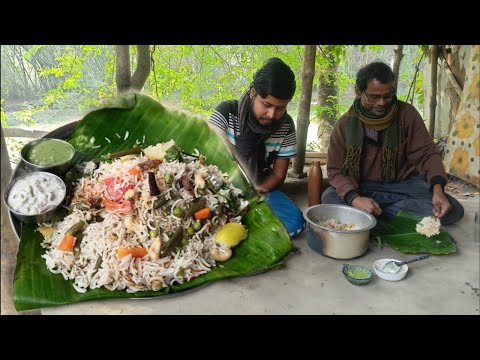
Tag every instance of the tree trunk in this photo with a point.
(143, 67)
(126, 82)
(398, 51)
(327, 101)
(433, 89)
(122, 73)
(303, 117)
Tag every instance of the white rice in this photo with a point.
(96, 263)
(338, 225)
(428, 226)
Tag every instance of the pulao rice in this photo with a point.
(428, 226)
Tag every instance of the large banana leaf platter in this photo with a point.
(399, 233)
(125, 122)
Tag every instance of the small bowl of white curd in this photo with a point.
(34, 197)
(379, 267)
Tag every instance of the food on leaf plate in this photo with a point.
(145, 221)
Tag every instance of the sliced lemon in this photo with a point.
(231, 234)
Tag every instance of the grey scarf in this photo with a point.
(251, 141)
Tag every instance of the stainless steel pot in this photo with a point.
(338, 244)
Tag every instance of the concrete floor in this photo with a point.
(310, 283)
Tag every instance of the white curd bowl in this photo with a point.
(379, 264)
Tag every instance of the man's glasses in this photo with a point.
(376, 98)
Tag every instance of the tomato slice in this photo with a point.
(123, 207)
(114, 193)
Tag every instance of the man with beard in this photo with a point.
(381, 158)
(262, 136)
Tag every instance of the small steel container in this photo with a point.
(59, 169)
(42, 216)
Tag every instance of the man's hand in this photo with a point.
(441, 205)
(279, 173)
(367, 204)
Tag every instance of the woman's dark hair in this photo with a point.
(275, 78)
(375, 70)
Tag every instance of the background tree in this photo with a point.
(327, 92)
(303, 117)
(47, 86)
(397, 59)
(126, 82)
(198, 77)
(433, 88)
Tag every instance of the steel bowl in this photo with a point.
(40, 217)
(338, 244)
(58, 169)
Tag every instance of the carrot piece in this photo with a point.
(202, 214)
(67, 243)
(136, 172)
(136, 252)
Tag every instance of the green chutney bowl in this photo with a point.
(357, 274)
(48, 154)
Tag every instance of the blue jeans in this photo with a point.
(288, 213)
(412, 195)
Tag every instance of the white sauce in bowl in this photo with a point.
(36, 193)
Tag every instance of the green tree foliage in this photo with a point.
(358, 56)
(83, 73)
(199, 77)
(49, 83)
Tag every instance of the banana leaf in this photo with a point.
(126, 122)
(399, 233)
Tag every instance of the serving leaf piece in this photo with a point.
(140, 121)
(400, 233)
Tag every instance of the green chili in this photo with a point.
(173, 242)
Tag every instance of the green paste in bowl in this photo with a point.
(50, 152)
(357, 273)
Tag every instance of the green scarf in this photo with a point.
(357, 117)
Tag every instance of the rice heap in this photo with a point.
(428, 226)
(123, 236)
(337, 225)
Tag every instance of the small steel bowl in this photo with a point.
(41, 217)
(349, 271)
(57, 169)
